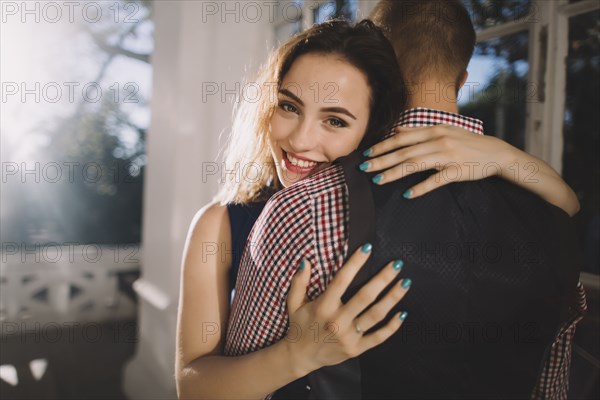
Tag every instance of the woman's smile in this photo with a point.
(297, 164)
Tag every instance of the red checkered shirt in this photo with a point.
(310, 220)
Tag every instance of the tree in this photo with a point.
(102, 141)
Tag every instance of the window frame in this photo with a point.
(545, 125)
(544, 121)
(565, 11)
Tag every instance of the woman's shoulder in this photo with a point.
(210, 219)
(209, 233)
(212, 210)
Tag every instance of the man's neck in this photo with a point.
(435, 95)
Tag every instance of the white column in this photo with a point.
(198, 44)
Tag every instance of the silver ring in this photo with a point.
(357, 327)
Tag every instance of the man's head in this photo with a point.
(433, 39)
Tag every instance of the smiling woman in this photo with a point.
(307, 133)
(317, 88)
(337, 87)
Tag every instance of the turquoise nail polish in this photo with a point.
(366, 248)
(377, 178)
(398, 264)
(406, 283)
(301, 266)
(364, 166)
(403, 315)
(407, 194)
(367, 152)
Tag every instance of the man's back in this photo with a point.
(494, 267)
(313, 220)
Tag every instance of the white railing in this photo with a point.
(64, 284)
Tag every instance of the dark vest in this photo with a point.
(494, 270)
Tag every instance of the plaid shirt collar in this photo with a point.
(418, 117)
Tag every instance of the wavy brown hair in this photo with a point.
(364, 46)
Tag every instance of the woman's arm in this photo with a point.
(537, 176)
(460, 155)
(201, 369)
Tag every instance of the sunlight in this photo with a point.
(8, 373)
(33, 90)
(38, 368)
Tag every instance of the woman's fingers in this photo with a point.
(337, 322)
(297, 296)
(400, 156)
(380, 310)
(345, 275)
(369, 292)
(440, 147)
(411, 166)
(435, 181)
(403, 137)
(382, 334)
(412, 136)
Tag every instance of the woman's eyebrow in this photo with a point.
(291, 95)
(340, 110)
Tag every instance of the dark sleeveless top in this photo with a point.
(241, 219)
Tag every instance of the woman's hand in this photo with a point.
(460, 155)
(457, 155)
(325, 331)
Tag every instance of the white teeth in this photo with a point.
(301, 163)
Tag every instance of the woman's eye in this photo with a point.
(336, 122)
(288, 107)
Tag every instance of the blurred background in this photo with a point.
(111, 120)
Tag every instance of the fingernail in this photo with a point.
(406, 283)
(377, 178)
(366, 248)
(403, 315)
(364, 166)
(407, 194)
(302, 264)
(398, 264)
(367, 152)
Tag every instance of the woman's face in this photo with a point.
(322, 114)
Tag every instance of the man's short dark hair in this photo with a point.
(433, 39)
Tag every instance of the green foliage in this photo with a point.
(99, 148)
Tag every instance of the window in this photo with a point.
(74, 120)
(581, 129)
(289, 19)
(297, 15)
(497, 87)
(325, 10)
(527, 96)
(486, 14)
(76, 82)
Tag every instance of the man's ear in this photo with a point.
(463, 79)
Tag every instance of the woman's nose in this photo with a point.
(304, 137)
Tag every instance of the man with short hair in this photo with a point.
(434, 41)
